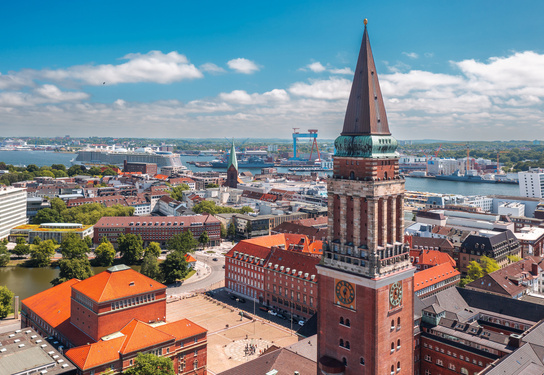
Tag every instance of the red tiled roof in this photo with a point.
(189, 258)
(181, 329)
(134, 337)
(433, 275)
(107, 286)
(294, 261)
(431, 257)
(310, 222)
(260, 246)
(139, 335)
(161, 177)
(53, 304)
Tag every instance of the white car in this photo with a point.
(301, 322)
(272, 312)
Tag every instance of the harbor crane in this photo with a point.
(312, 134)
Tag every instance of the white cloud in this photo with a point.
(347, 71)
(52, 93)
(411, 55)
(211, 68)
(241, 65)
(332, 88)
(316, 67)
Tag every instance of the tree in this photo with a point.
(4, 255)
(21, 248)
(232, 230)
(36, 240)
(75, 268)
(153, 249)
(184, 242)
(72, 246)
(41, 254)
(475, 271)
(6, 296)
(177, 191)
(109, 172)
(95, 171)
(212, 186)
(489, 265)
(58, 205)
(174, 267)
(150, 364)
(246, 209)
(203, 239)
(88, 241)
(130, 247)
(150, 268)
(513, 258)
(104, 253)
(222, 231)
(59, 167)
(77, 170)
(47, 215)
(249, 228)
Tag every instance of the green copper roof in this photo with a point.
(232, 158)
(366, 146)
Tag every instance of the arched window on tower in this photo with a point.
(398, 366)
(341, 343)
(352, 175)
(392, 347)
(347, 345)
(341, 320)
(398, 344)
(398, 323)
(345, 362)
(392, 324)
(348, 323)
(385, 175)
(392, 369)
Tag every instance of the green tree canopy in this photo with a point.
(131, 248)
(36, 240)
(153, 249)
(150, 364)
(104, 253)
(21, 248)
(73, 246)
(150, 268)
(4, 255)
(177, 191)
(6, 298)
(222, 231)
(41, 254)
(489, 264)
(203, 239)
(75, 268)
(184, 242)
(249, 228)
(475, 271)
(232, 230)
(211, 208)
(47, 215)
(58, 205)
(174, 267)
(513, 258)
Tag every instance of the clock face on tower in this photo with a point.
(395, 294)
(345, 293)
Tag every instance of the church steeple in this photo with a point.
(232, 158)
(366, 130)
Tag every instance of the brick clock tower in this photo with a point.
(365, 319)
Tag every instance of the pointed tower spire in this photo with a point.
(365, 114)
(366, 131)
(232, 158)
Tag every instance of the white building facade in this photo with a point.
(531, 183)
(12, 209)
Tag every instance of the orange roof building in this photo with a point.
(432, 280)
(424, 259)
(249, 264)
(110, 317)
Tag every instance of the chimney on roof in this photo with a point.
(534, 269)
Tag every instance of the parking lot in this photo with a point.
(229, 334)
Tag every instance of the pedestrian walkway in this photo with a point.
(202, 271)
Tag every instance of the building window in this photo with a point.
(341, 320)
(428, 358)
(464, 371)
(362, 361)
(392, 369)
(348, 323)
(345, 362)
(398, 366)
(341, 343)
(439, 362)
(427, 372)
(392, 347)
(392, 325)
(451, 366)
(398, 344)
(347, 345)
(195, 364)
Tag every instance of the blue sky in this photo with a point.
(460, 70)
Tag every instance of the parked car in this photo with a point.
(241, 300)
(272, 312)
(233, 297)
(281, 316)
(262, 308)
(301, 322)
(214, 259)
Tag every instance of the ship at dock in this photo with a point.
(250, 162)
(470, 176)
(117, 156)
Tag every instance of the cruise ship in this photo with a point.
(117, 156)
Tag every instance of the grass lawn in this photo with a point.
(191, 273)
(210, 252)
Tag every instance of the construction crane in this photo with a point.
(498, 165)
(312, 133)
(437, 151)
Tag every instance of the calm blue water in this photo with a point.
(41, 158)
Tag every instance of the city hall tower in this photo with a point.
(365, 314)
